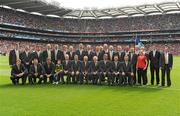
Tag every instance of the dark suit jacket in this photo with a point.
(127, 68)
(105, 67)
(120, 55)
(133, 60)
(66, 67)
(117, 68)
(45, 55)
(154, 60)
(80, 56)
(71, 57)
(50, 69)
(100, 55)
(113, 54)
(25, 58)
(76, 66)
(58, 56)
(94, 67)
(40, 69)
(86, 68)
(162, 61)
(35, 55)
(12, 57)
(15, 70)
(63, 55)
(90, 55)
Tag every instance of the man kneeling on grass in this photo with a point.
(36, 72)
(18, 71)
(49, 68)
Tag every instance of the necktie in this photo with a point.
(35, 68)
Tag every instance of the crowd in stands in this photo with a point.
(7, 45)
(154, 22)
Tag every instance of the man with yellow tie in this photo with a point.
(166, 64)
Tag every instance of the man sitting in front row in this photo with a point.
(49, 68)
(36, 71)
(18, 71)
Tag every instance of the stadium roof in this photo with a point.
(54, 9)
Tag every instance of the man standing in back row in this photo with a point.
(166, 64)
(154, 57)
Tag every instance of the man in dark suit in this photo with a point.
(56, 54)
(80, 52)
(14, 55)
(71, 53)
(64, 52)
(119, 52)
(47, 53)
(18, 71)
(166, 64)
(105, 50)
(111, 53)
(117, 71)
(86, 69)
(89, 53)
(94, 68)
(67, 68)
(49, 68)
(133, 60)
(154, 57)
(98, 53)
(36, 71)
(127, 71)
(38, 54)
(76, 68)
(105, 70)
(25, 57)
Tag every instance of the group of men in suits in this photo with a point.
(99, 66)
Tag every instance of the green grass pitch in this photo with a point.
(88, 100)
